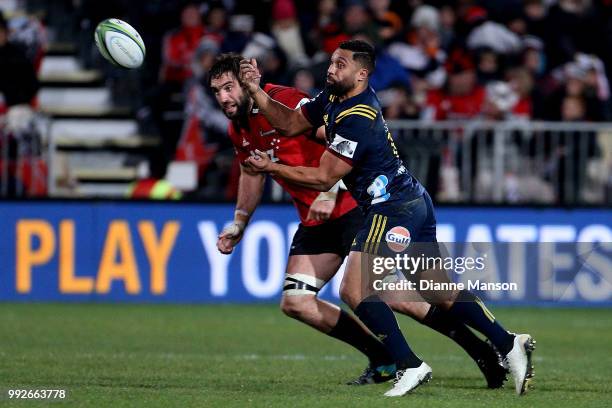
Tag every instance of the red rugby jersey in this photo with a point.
(300, 150)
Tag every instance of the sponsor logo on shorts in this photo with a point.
(397, 238)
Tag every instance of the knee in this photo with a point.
(350, 296)
(417, 310)
(446, 304)
(297, 307)
(300, 295)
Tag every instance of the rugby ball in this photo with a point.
(119, 43)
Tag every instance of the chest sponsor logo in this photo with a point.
(343, 146)
(397, 238)
(245, 142)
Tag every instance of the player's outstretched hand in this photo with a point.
(249, 75)
(259, 163)
(229, 238)
(321, 210)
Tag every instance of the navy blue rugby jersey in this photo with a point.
(357, 133)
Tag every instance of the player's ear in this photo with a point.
(362, 75)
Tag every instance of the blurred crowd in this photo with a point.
(463, 59)
(437, 60)
(22, 47)
(495, 60)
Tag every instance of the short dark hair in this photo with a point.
(362, 52)
(224, 63)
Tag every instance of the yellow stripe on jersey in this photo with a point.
(361, 109)
(363, 106)
(367, 115)
(382, 230)
(372, 228)
(349, 112)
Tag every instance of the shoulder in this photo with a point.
(358, 114)
(285, 94)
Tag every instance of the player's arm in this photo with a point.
(285, 120)
(331, 169)
(250, 190)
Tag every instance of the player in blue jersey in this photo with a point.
(361, 152)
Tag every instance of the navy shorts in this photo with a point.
(389, 228)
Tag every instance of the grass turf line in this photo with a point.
(185, 355)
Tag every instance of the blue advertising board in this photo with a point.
(166, 252)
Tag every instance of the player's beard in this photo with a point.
(240, 118)
(339, 88)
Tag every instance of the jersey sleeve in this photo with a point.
(291, 97)
(241, 152)
(314, 109)
(352, 133)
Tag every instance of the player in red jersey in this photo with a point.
(329, 222)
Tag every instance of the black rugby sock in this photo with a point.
(379, 318)
(350, 331)
(469, 309)
(442, 322)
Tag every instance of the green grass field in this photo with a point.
(164, 356)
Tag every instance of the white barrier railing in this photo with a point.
(459, 161)
(509, 162)
(22, 158)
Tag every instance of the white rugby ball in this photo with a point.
(120, 43)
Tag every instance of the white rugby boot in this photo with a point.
(408, 379)
(518, 361)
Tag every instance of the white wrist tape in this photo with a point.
(234, 229)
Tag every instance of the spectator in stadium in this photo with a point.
(327, 31)
(422, 55)
(403, 107)
(573, 109)
(499, 102)
(216, 22)
(388, 22)
(448, 20)
(571, 151)
(18, 88)
(180, 44)
(18, 81)
(357, 20)
(274, 66)
(29, 33)
(533, 57)
(572, 79)
(576, 29)
(530, 98)
(488, 65)
(304, 81)
(535, 13)
(199, 101)
(461, 98)
(286, 30)
(388, 72)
